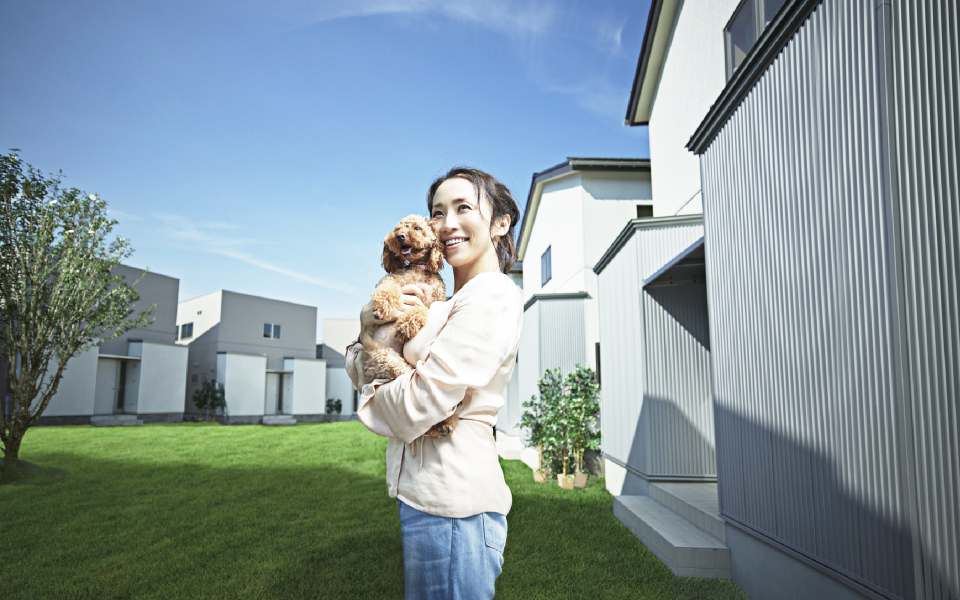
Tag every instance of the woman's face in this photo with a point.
(464, 223)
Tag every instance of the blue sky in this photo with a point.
(267, 147)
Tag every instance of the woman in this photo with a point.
(451, 492)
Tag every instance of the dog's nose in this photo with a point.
(401, 237)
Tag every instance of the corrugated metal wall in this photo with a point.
(621, 357)
(626, 414)
(562, 334)
(528, 357)
(677, 390)
(927, 117)
(804, 259)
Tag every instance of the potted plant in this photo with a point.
(334, 406)
(535, 418)
(583, 408)
(557, 425)
(210, 397)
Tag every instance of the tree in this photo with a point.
(58, 295)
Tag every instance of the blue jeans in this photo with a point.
(451, 559)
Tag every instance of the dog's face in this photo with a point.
(414, 240)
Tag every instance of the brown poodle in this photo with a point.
(412, 253)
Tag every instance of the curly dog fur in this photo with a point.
(412, 253)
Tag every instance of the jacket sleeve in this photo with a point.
(481, 331)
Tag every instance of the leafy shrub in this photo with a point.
(210, 397)
(334, 406)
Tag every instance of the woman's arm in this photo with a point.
(483, 328)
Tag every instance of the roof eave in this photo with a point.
(658, 32)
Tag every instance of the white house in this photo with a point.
(262, 351)
(134, 378)
(574, 211)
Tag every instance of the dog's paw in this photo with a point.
(444, 428)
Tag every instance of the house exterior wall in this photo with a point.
(241, 328)
(153, 289)
(528, 371)
(77, 388)
(628, 419)
(559, 225)
(692, 77)
(203, 311)
(832, 212)
(340, 388)
(163, 369)
(244, 381)
(309, 382)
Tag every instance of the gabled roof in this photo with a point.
(609, 165)
(659, 30)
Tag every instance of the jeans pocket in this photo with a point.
(494, 531)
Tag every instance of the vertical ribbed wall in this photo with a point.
(625, 415)
(528, 357)
(562, 334)
(803, 309)
(676, 395)
(927, 127)
(621, 356)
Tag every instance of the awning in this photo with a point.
(687, 267)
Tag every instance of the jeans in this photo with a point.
(451, 559)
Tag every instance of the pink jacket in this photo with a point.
(466, 353)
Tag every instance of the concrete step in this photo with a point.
(695, 502)
(682, 546)
(279, 420)
(114, 420)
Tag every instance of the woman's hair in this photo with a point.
(501, 200)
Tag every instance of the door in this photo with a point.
(272, 400)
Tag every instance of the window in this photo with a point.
(644, 211)
(194, 377)
(186, 331)
(745, 27)
(545, 274)
(271, 330)
(597, 350)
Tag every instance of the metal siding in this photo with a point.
(803, 333)
(621, 357)
(563, 332)
(625, 417)
(926, 77)
(528, 357)
(677, 372)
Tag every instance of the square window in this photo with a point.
(276, 331)
(186, 331)
(545, 267)
(268, 330)
(644, 211)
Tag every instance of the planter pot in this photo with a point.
(566, 482)
(539, 476)
(580, 480)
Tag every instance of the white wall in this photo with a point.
(163, 377)
(244, 380)
(558, 225)
(77, 388)
(692, 78)
(309, 385)
(203, 312)
(340, 387)
(337, 333)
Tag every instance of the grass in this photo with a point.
(209, 511)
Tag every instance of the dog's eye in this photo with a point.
(416, 229)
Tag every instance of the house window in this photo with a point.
(271, 330)
(186, 331)
(545, 274)
(644, 211)
(745, 27)
(194, 377)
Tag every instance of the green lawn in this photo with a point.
(209, 511)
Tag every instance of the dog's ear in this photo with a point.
(436, 257)
(390, 261)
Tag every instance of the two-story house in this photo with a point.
(262, 351)
(134, 378)
(818, 312)
(574, 211)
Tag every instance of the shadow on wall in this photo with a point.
(687, 304)
(795, 495)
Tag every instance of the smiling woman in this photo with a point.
(451, 492)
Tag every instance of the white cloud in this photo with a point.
(123, 216)
(209, 237)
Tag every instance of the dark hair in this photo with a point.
(501, 201)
